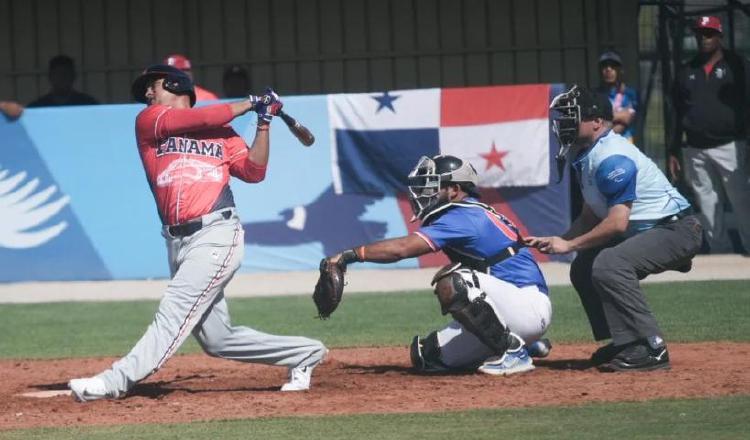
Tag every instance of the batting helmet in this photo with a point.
(175, 81)
(427, 177)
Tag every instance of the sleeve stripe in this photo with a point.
(156, 124)
(428, 241)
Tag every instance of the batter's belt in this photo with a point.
(191, 227)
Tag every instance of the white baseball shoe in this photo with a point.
(90, 388)
(511, 362)
(299, 377)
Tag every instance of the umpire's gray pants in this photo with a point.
(608, 279)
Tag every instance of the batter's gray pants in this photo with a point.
(608, 279)
(716, 174)
(202, 264)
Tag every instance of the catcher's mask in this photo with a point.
(429, 174)
(568, 110)
(175, 81)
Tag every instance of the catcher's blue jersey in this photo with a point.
(475, 231)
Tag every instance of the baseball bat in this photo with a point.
(298, 130)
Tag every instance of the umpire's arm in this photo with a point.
(612, 226)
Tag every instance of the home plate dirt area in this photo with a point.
(355, 380)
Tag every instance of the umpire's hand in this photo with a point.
(549, 245)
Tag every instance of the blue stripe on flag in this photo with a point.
(378, 161)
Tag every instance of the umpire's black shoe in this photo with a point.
(606, 353)
(645, 355)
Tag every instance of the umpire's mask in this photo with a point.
(568, 109)
(566, 115)
(428, 175)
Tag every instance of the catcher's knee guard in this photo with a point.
(472, 310)
(425, 354)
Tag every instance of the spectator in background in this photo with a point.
(183, 63)
(236, 82)
(62, 75)
(624, 99)
(712, 103)
(11, 109)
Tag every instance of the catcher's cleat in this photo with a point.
(90, 388)
(511, 362)
(425, 355)
(539, 348)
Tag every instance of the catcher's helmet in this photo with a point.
(429, 174)
(175, 81)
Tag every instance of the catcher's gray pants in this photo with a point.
(716, 174)
(608, 279)
(201, 265)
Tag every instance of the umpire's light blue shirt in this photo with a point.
(614, 171)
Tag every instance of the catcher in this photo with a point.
(493, 287)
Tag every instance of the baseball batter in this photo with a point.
(493, 289)
(188, 155)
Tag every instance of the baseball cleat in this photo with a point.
(512, 362)
(418, 360)
(606, 353)
(642, 356)
(89, 388)
(539, 348)
(300, 377)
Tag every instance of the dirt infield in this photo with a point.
(361, 380)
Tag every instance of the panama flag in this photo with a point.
(377, 138)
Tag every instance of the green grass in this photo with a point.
(694, 311)
(715, 419)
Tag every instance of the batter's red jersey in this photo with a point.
(188, 156)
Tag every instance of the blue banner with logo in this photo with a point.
(75, 203)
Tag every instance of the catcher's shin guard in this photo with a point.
(425, 354)
(473, 311)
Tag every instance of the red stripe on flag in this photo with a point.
(488, 105)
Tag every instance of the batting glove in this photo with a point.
(268, 107)
(255, 101)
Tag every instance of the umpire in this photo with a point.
(633, 223)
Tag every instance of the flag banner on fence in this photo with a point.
(376, 138)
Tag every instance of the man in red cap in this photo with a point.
(712, 103)
(183, 63)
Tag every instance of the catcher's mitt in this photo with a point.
(330, 287)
